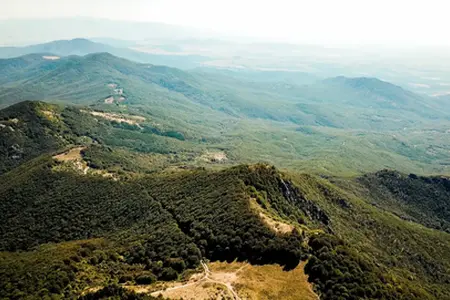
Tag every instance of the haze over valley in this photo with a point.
(154, 155)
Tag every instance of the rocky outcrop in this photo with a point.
(311, 209)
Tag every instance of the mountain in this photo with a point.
(26, 133)
(84, 214)
(85, 77)
(310, 127)
(442, 102)
(62, 48)
(365, 92)
(209, 89)
(83, 47)
(30, 129)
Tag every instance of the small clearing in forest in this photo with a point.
(275, 225)
(72, 154)
(214, 157)
(238, 281)
(132, 120)
(109, 100)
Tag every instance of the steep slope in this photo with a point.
(86, 78)
(374, 92)
(27, 132)
(401, 250)
(363, 103)
(29, 129)
(425, 200)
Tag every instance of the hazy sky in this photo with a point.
(416, 22)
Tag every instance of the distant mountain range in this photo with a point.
(83, 47)
(54, 72)
(120, 175)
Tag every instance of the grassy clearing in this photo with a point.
(267, 282)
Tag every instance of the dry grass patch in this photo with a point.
(214, 157)
(272, 223)
(267, 282)
(237, 280)
(132, 120)
(200, 290)
(71, 155)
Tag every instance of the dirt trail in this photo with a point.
(224, 279)
(227, 284)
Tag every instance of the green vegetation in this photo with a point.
(413, 257)
(156, 181)
(154, 227)
(116, 292)
(158, 225)
(341, 273)
(366, 124)
(425, 200)
(26, 133)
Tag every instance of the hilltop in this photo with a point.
(85, 213)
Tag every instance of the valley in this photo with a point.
(121, 179)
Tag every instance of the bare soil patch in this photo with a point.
(51, 57)
(132, 120)
(109, 100)
(239, 281)
(277, 226)
(271, 282)
(214, 157)
(272, 223)
(206, 285)
(71, 155)
(52, 116)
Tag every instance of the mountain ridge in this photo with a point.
(113, 209)
(82, 47)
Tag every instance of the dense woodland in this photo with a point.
(339, 272)
(143, 229)
(162, 224)
(424, 200)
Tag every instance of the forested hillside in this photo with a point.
(132, 178)
(425, 200)
(156, 226)
(335, 126)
